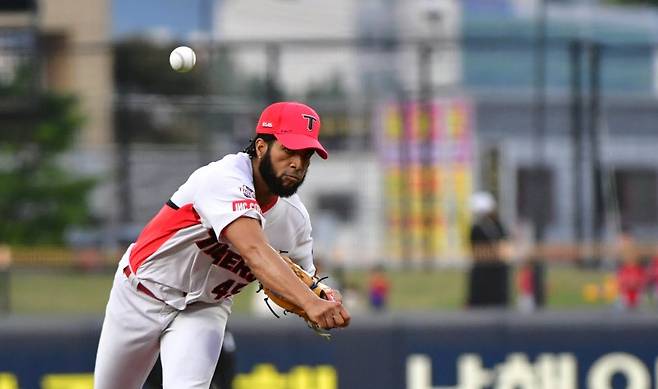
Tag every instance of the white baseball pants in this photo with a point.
(137, 327)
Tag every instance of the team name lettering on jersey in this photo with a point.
(241, 205)
(226, 259)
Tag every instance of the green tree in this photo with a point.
(39, 198)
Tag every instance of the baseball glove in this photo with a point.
(313, 282)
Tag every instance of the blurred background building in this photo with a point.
(544, 93)
(74, 54)
(548, 104)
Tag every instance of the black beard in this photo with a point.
(274, 183)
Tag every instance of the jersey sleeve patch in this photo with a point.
(243, 205)
(223, 198)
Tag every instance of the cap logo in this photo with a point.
(267, 124)
(310, 120)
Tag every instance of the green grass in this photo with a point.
(420, 289)
(565, 287)
(59, 292)
(78, 293)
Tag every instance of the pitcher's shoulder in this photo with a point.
(295, 206)
(230, 165)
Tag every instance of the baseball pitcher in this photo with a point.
(222, 229)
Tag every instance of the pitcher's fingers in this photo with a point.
(322, 323)
(338, 320)
(329, 321)
(345, 315)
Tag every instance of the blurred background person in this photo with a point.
(528, 281)
(652, 280)
(488, 277)
(5, 262)
(631, 275)
(379, 288)
(525, 283)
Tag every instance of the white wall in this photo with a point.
(359, 242)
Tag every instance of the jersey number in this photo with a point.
(227, 288)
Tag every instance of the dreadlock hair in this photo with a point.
(251, 148)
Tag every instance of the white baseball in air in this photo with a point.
(182, 59)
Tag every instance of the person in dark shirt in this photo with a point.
(488, 279)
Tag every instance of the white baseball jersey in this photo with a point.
(182, 257)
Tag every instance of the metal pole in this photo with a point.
(424, 141)
(540, 86)
(402, 186)
(272, 92)
(539, 214)
(5, 280)
(205, 24)
(124, 171)
(576, 134)
(599, 217)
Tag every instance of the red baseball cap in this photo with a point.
(295, 125)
